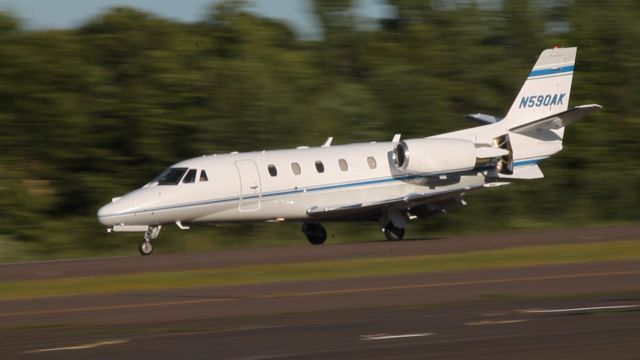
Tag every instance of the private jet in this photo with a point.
(391, 182)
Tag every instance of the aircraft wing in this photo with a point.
(483, 118)
(361, 208)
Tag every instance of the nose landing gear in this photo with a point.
(145, 247)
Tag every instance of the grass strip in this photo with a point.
(241, 275)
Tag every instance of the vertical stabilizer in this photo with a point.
(547, 88)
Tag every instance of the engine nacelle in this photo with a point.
(435, 156)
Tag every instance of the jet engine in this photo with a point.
(439, 156)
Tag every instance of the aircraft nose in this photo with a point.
(106, 214)
(124, 209)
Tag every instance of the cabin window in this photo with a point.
(343, 164)
(372, 162)
(295, 167)
(171, 176)
(190, 177)
(272, 170)
(319, 166)
(203, 176)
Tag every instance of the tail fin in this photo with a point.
(537, 118)
(547, 88)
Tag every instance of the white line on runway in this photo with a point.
(56, 261)
(116, 307)
(494, 322)
(495, 313)
(593, 308)
(388, 337)
(78, 347)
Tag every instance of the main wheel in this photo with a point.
(145, 247)
(393, 233)
(315, 232)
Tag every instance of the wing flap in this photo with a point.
(410, 200)
(352, 208)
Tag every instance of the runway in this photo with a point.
(304, 252)
(581, 310)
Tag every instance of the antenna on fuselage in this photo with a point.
(328, 142)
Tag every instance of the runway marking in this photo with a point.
(78, 347)
(445, 284)
(494, 322)
(114, 307)
(389, 337)
(546, 311)
(495, 313)
(44, 262)
(322, 292)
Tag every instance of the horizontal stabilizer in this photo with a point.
(556, 121)
(483, 118)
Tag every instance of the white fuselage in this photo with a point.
(241, 188)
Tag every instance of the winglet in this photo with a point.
(483, 118)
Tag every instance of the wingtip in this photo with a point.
(590, 106)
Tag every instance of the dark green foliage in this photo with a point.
(93, 112)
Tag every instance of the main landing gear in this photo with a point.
(393, 233)
(145, 247)
(393, 223)
(315, 232)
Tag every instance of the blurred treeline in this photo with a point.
(93, 112)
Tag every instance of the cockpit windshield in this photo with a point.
(171, 176)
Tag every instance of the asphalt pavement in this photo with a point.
(563, 311)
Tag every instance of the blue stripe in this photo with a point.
(313, 189)
(527, 162)
(562, 69)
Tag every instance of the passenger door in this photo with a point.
(250, 191)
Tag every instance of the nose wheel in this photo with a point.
(315, 232)
(145, 247)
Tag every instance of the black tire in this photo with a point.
(393, 233)
(316, 233)
(145, 248)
